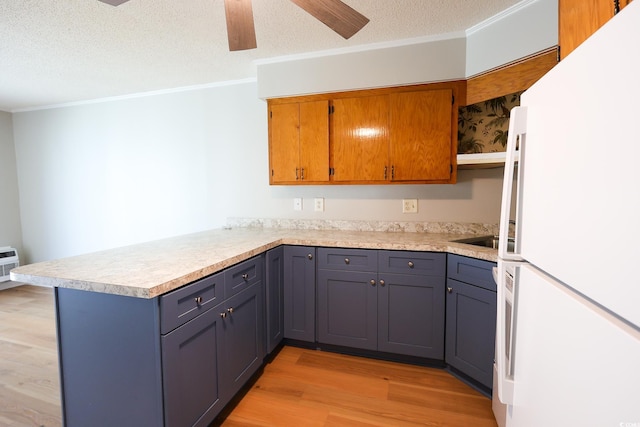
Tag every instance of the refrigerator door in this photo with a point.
(580, 190)
(574, 363)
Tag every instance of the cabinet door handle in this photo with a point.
(230, 310)
(347, 261)
(449, 289)
(381, 282)
(385, 173)
(373, 282)
(296, 174)
(223, 315)
(309, 256)
(302, 174)
(410, 264)
(245, 276)
(198, 300)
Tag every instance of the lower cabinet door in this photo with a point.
(243, 344)
(411, 315)
(471, 326)
(190, 356)
(300, 293)
(347, 308)
(274, 292)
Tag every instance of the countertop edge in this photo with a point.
(287, 237)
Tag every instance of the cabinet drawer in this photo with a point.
(241, 276)
(408, 262)
(347, 259)
(182, 305)
(472, 271)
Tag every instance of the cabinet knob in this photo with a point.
(230, 310)
(373, 282)
(245, 276)
(223, 315)
(198, 300)
(410, 264)
(381, 282)
(309, 256)
(449, 289)
(347, 261)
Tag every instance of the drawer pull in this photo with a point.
(223, 315)
(381, 282)
(230, 310)
(373, 282)
(245, 276)
(347, 261)
(410, 264)
(198, 300)
(449, 289)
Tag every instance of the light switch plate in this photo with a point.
(318, 204)
(297, 204)
(410, 206)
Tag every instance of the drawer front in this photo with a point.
(183, 304)
(472, 271)
(408, 262)
(347, 259)
(241, 276)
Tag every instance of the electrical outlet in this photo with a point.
(410, 206)
(318, 204)
(297, 204)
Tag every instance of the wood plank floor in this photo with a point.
(298, 388)
(29, 383)
(303, 387)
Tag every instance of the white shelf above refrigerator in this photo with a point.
(481, 160)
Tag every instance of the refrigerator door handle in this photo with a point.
(504, 333)
(515, 145)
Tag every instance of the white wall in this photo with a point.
(10, 231)
(114, 173)
(529, 27)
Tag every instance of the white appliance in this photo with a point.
(568, 325)
(8, 261)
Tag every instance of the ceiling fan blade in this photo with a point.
(240, 29)
(336, 15)
(114, 2)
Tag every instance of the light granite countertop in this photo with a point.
(150, 269)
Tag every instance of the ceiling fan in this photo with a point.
(241, 33)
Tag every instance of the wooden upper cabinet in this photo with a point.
(402, 134)
(360, 138)
(420, 131)
(299, 142)
(581, 18)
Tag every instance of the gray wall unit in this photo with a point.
(300, 293)
(109, 356)
(169, 361)
(274, 292)
(391, 301)
(471, 317)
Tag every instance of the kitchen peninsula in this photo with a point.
(167, 332)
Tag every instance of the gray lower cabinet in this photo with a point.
(471, 317)
(391, 301)
(274, 293)
(170, 361)
(300, 293)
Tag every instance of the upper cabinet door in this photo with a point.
(360, 138)
(299, 142)
(581, 18)
(314, 141)
(284, 142)
(420, 132)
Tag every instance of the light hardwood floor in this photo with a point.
(298, 388)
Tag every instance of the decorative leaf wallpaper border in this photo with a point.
(483, 127)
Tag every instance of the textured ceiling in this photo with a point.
(60, 51)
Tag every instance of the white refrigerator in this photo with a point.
(568, 323)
